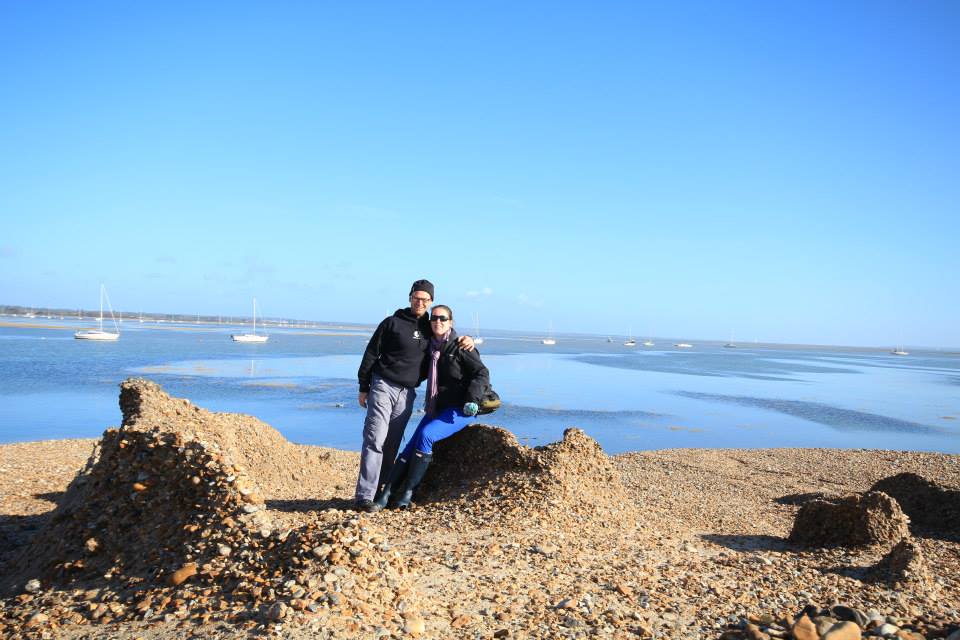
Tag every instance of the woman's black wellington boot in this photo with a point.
(418, 464)
(397, 476)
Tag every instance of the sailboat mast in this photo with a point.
(254, 316)
(100, 321)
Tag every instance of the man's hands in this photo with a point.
(362, 399)
(465, 343)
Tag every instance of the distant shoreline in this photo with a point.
(152, 326)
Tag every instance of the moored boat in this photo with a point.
(99, 333)
(253, 336)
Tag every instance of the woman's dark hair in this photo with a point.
(442, 306)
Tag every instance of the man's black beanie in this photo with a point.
(422, 285)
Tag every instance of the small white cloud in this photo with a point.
(476, 293)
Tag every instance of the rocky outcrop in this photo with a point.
(851, 521)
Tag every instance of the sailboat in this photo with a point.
(630, 341)
(549, 340)
(648, 343)
(99, 333)
(731, 344)
(899, 351)
(476, 325)
(683, 345)
(251, 337)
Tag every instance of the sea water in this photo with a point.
(303, 383)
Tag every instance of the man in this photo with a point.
(392, 367)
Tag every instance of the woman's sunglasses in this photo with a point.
(439, 318)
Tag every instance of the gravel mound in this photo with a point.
(274, 463)
(904, 567)
(930, 506)
(852, 521)
(168, 525)
(485, 470)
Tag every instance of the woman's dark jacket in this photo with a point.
(461, 376)
(396, 351)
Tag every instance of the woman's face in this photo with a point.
(440, 321)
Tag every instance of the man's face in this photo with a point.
(420, 302)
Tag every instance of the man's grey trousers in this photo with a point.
(389, 407)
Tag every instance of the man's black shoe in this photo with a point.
(368, 506)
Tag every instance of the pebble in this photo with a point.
(32, 586)
(845, 630)
(184, 572)
(804, 629)
(842, 612)
(546, 548)
(277, 611)
(414, 625)
(38, 619)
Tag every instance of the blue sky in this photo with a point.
(782, 171)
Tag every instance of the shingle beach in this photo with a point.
(185, 523)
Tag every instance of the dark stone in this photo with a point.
(841, 612)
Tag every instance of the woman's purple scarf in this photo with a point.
(436, 347)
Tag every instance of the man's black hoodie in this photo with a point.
(396, 350)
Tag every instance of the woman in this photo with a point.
(456, 381)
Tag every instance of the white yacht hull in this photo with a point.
(96, 335)
(249, 337)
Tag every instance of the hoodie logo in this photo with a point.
(417, 335)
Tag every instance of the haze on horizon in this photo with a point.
(786, 173)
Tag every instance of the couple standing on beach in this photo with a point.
(407, 348)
